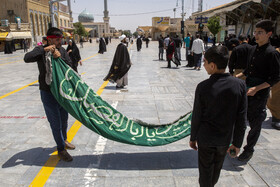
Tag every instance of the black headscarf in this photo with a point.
(75, 54)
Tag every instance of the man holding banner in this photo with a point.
(56, 115)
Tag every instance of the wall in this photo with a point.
(18, 6)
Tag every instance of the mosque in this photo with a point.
(97, 29)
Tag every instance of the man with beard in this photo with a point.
(120, 65)
(56, 115)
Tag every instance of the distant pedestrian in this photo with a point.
(218, 117)
(197, 51)
(24, 44)
(178, 44)
(239, 56)
(8, 49)
(139, 43)
(187, 41)
(81, 43)
(170, 52)
(102, 46)
(74, 54)
(106, 40)
(205, 40)
(147, 40)
(262, 73)
(166, 43)
(187, 44)
(120, 65)
(160, 47)
(214, 41)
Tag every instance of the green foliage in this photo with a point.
(80, 29)
(127, 33)
(214, 25)
(135, 34)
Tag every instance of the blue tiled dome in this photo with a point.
(85, 16)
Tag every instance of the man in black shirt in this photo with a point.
(262, 72)
(57, 116)
(219, 115)
(178, 43)
(160, 47)
(239, 56)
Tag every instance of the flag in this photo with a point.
(79, 100)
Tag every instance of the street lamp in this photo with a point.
(51, 2)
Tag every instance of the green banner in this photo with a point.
(87, 107)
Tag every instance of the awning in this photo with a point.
(21, 35)
(88, 29)
(3, 35)
(66, 34)
(224, 8)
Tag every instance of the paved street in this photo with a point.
(155, 94)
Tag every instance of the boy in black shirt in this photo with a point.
(218, 118)
(261, 73)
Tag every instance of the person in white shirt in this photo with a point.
(197, 50)
(166, 43)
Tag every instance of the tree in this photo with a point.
(127, 33)
(135, 34)
(214, 25)
(80, 29)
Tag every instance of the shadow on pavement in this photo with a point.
(115, 161)
(110, 88)
(267, 124)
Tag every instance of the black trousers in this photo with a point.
(256, 114)
(210, 163)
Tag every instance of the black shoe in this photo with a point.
(245, 156)
(276, 125)
(65, 156)
(119, 87)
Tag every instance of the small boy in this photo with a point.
(218, 118)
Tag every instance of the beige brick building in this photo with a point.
(36, 13)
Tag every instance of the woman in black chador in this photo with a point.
(74, 54)
(102, 45)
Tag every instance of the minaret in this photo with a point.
(106, 17)
(106, 12)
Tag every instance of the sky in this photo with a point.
(122, 12)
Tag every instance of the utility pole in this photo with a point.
(183, 21)
(70, 12)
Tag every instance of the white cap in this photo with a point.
(122, 37)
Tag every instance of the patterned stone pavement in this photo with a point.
(155, 94)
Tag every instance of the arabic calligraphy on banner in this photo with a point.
(86, 106)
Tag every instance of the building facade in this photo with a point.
(36, 14)
(95, 29)
(241, 16)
